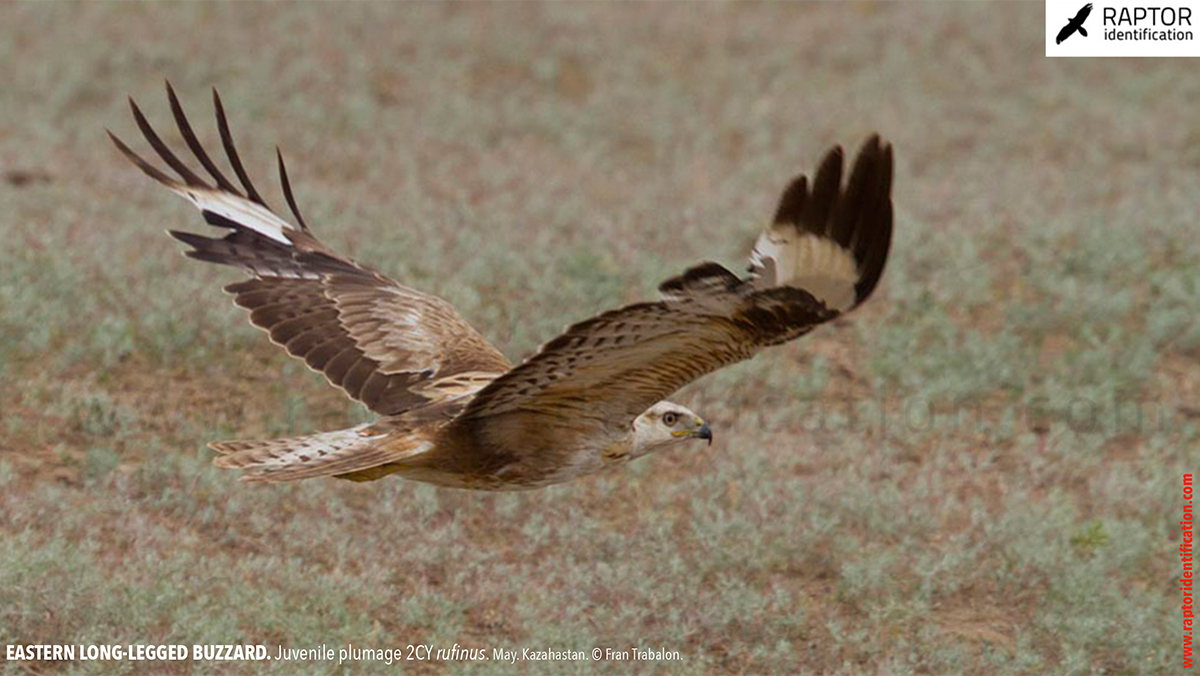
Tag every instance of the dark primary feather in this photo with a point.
(231, 151)
(193, 143)
(287, 191)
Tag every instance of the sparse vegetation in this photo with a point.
(977, 473)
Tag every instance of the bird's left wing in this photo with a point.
(387, 345)
(822, 256)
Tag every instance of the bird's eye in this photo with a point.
(670, 418)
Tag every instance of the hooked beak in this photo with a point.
(705, 433)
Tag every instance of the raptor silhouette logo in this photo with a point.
(1075, 24)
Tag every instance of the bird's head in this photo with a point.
(667, 423)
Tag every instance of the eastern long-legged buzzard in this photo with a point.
(452, 409)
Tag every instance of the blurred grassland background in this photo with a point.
(953, 480)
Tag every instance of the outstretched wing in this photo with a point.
(385, 344)
(822, 256)
(1082, 15)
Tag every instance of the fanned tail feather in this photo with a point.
(314, 455)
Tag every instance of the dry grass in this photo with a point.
(952, 481)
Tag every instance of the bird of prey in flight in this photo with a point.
(452, 410)
(1075, 24)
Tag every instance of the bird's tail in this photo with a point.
(315, 455)
(1083, 31)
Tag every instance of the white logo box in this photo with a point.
(1162, 28)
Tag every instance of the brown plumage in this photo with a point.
(453, 410)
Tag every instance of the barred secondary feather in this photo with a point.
(453, 410)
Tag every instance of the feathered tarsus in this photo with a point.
(453, 410)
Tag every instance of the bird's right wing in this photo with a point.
(391, 347)
(822, 256)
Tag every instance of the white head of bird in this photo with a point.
(664, 424)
